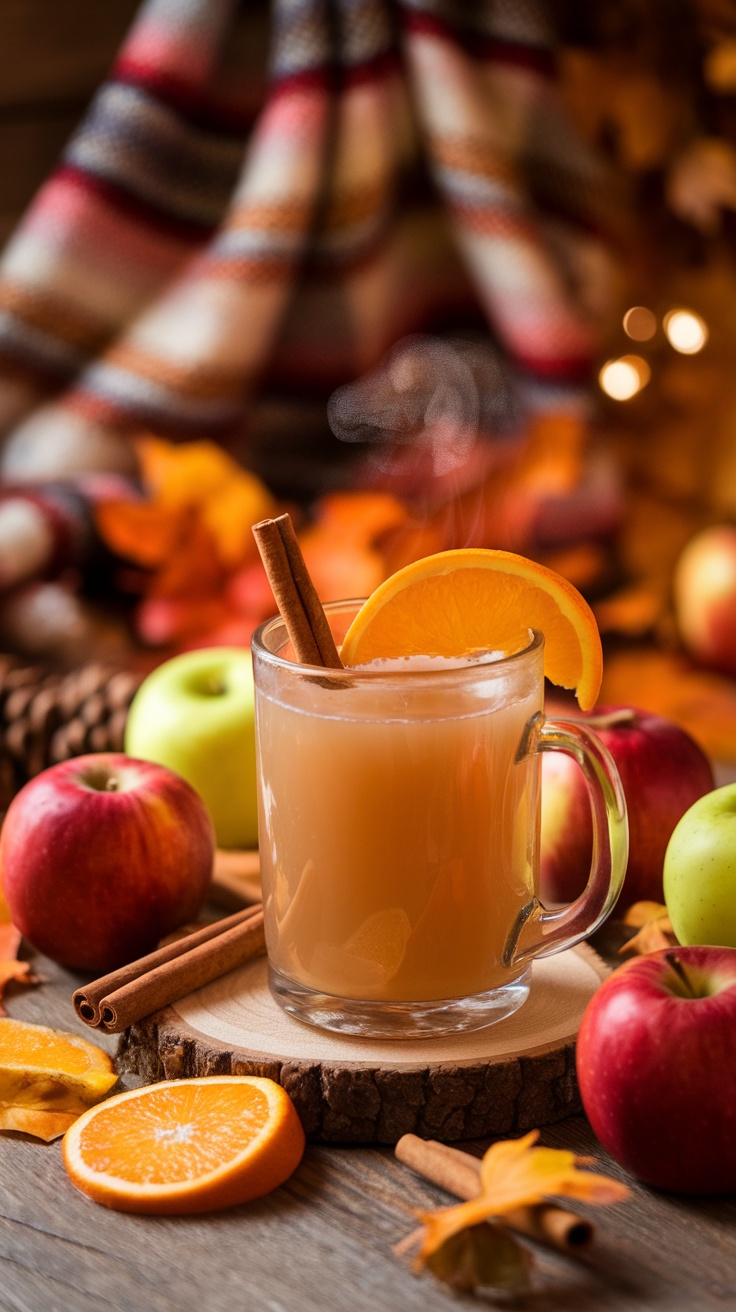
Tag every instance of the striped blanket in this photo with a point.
(263, 199)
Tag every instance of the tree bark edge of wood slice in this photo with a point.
(358, 1101)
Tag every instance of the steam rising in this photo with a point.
(438, 394)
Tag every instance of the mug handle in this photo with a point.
(539, 932)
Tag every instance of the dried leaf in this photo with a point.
(193, 568)
(10, 940)
(339, 568)
(141, 531)
(361, 517)
(482, 1256)
(641, 913)
(654, 926)
(183, 475)
(229, 514)
(514, 1174)
(32, 1120)
(195, 526)
(10, 968)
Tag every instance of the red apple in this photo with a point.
(102, 856)
(656, 1068)
(704, 592)
(663, 771)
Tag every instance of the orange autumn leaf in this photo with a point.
(10, 967)
(340, 568)
(230, 513)
(202, 474)
(197, 481)
(193, 568)
(654, 928)
(183, 475)
(515, 1174)
(361, 517)
(138, 530)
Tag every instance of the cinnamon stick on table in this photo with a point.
(295, 593)
(459, 1173)
(119, 999)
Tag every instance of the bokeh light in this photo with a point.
(686, 331)
(621, 379)
(640, 323)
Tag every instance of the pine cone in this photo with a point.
(48, 717)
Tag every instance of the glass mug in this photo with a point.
(399, 825)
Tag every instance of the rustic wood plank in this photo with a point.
(323, 1241)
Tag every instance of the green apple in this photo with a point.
(700, 871)
(194, 714)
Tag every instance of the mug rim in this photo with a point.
(363, 674)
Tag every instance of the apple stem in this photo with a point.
(674, 961)
(111, 786)
(622, 715)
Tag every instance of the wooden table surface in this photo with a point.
(324, 1240)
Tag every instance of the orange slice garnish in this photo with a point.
(186, 1146)
(460, 603)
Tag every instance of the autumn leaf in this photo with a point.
(186, 474)
(361, 517)
(193, 568)
(514, 1174)
(338, 567)
(230, 513)
(482, 1256)
(138, 530)
(654, 928)
(10, 967)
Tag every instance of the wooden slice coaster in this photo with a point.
(515, 1075)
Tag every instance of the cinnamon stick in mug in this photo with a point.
(295, 593)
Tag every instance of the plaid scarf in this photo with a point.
(263, 199)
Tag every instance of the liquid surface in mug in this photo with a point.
(397, 851)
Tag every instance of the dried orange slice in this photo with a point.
(49, 1069)
(36, 1121)
(186, 1146)
(460, 603)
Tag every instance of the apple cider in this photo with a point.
(398, 829)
